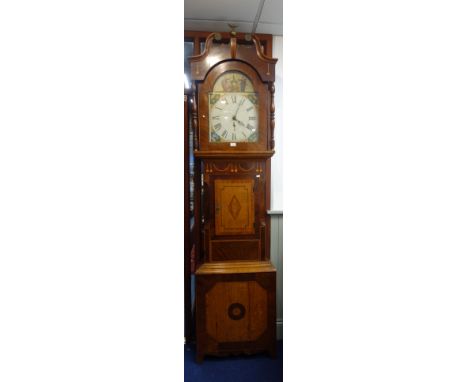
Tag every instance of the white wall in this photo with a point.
(277, 186)
(277, 159)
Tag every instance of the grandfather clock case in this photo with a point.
(233, 122)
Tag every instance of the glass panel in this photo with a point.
(233, 109)
(188, 51)
(233, 81)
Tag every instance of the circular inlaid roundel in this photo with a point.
(236, 311)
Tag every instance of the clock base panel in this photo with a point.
(236, 311)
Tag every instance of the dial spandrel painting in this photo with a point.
(233, 109)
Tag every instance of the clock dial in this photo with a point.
(233, 109)
(234, 118)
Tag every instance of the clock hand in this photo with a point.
(237, 110)
(240, 122)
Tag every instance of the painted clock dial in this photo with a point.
(233, 113)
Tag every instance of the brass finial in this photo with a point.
(233, 29)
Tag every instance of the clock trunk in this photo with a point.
(234, 210)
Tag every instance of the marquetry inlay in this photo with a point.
(233, 167)
(234, 206)
(236, 311)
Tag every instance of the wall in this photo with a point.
(277, 186)
(277, 159)
(277, 260)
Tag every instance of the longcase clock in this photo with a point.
(233, 120)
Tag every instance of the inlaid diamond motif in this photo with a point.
(234, 207)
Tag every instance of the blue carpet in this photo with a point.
(253, 368)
